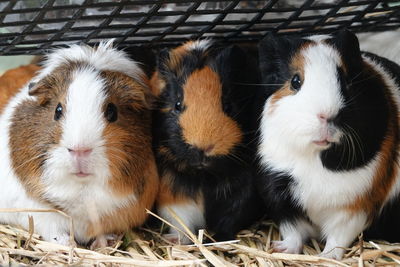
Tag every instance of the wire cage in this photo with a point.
(34, 26)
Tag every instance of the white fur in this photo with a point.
(202, 45)
(191, 215)
(103, 57)
(84, 199)
(287, 134)
(294, 235)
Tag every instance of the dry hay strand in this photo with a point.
(147, 247)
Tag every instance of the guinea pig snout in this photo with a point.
(327, 131)
(80, 158)
(198, 158)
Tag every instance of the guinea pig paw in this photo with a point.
(103, 241)
(286, 246)
(178, 239)
(61, 239)
(335, 254)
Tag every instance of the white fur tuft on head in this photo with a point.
(102, 57)
(201, 45)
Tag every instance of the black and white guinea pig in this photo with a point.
(78, 139)
(329, 140)
(201, 133)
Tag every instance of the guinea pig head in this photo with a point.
(82, 124)
(319, 104)
(196, 119)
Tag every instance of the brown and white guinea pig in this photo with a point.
(13, 80)
(78, 139)
(201, 132)
(329, 140)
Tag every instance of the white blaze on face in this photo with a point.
(84, 122)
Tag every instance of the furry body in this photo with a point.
(328, 150)
(63, 149)
(201, 136)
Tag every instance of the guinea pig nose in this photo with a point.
(324, 118)
(80, 152)
(209, 149)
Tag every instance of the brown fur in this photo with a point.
(156, 84)
(13, 80)
(204, 124)
(175, 57)
(133, 165)
(28, 143)
(387, 170)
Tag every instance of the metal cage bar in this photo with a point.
(34, 26)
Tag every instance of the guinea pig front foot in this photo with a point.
(287, 246)
(103, 241)
(334, 253)
(177, 238)
(61, 239)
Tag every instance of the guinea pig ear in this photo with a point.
(348, 46)
(162, 60)
(273, 51)
(230, 60)
(39, 90)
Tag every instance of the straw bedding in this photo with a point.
(146, 247)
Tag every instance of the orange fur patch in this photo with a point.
(13, 80)
(387, 170)
(204, 124)
(157, 84)
(166, 196)
(175, 58)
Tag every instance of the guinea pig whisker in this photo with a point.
(346, 149)
(37, 145)
(358, 143)
(353, 98)
(236, 158)
(363, 80)
(30, 160)
(124, 164)
(356, 76)
(260, 84)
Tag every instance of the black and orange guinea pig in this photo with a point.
(201, 135)
(329, 141)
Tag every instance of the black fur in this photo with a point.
(226, 181)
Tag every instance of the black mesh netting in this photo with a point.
(33, 26)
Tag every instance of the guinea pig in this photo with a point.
(328, 141)
(78, 139)
(13, 80)
(201, 132)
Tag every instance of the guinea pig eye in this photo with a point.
(111, 112)
(295, 82)
(178, 106)
(58, 113)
